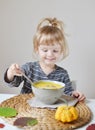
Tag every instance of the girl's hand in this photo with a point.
(13, 70)
(78, 95)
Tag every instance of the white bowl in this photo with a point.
(46, 95)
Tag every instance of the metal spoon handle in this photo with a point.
(27, 78)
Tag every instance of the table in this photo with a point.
(90, 103)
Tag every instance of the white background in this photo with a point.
(18, 22)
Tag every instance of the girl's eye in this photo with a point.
(45, 50)
(55, 51)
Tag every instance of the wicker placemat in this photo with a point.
(44, 116)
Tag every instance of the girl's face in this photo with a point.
(49, 54)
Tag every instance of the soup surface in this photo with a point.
(48, 85)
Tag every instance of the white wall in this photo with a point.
(18, 21)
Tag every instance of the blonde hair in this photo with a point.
(50, 31)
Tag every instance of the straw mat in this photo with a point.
(45, 116)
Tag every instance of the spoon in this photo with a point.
(27, 78)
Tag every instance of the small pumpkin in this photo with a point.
(66, 113)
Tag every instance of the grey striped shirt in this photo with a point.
(35, 73)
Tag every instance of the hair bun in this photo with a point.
(53, 22)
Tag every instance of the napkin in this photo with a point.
(34, 102)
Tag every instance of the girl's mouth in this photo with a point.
(51, 60)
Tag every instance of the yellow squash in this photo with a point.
(66, 113)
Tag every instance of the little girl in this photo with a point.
(50, 47)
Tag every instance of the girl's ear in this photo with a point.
(61, 56)
(36, 50)
(36, 53)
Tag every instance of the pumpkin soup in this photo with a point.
(47, 85)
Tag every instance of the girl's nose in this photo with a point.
(50, 53)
